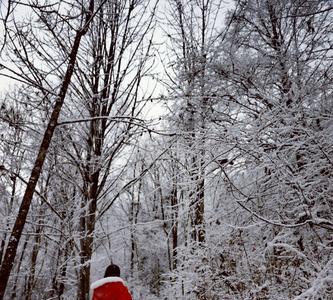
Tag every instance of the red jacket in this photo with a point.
(110, 288)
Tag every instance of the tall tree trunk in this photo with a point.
(199, 225)
(87, 240)
(15, 237)
(135, 207)
(174, 205)
(89, 205)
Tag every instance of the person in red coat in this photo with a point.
(111, 287)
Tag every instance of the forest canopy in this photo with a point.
(189, 142)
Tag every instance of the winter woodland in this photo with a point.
(189, 142)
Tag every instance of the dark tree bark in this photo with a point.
(20, 221)
(174, 205)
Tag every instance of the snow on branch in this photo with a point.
(324, 279)
(129, 120)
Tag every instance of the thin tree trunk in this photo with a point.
(174, 204)
(14, 292)
(34, 255)
(199, 222)
(135, 206)
(3, 240)
(14, 240)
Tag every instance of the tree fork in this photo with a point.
(20, 221)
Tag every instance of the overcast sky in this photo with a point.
(6, 83)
